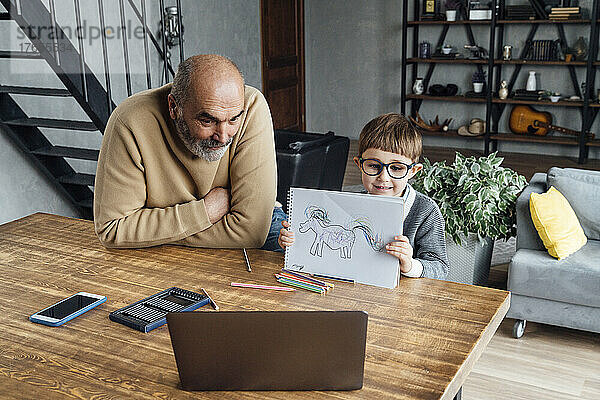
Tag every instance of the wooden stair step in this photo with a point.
(78, 179)
(54, 123)
(19, 54)
(68, 152)
(4, 16)
(35, 91)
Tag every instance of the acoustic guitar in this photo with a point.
(525, 120)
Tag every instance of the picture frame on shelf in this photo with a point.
(431, 10)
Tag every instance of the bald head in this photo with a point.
(207, 104)
(205, 73)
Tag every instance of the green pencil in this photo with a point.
(303, 282)
(300, 285)
(312, 285)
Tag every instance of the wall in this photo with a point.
(230, 28)
(352, 63)
(353, 67)
(25, 190)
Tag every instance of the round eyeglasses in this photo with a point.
(374, 167)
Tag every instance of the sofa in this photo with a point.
(566, 292)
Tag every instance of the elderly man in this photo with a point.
(192, 163)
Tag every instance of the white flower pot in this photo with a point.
(450, 15)
(478, 87)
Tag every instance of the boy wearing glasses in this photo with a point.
(389, 147)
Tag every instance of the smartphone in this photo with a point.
(67, 309)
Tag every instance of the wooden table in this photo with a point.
(423, 337)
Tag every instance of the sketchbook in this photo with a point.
(344, 235)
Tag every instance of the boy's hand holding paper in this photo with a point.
(403, 251)
(286, 236)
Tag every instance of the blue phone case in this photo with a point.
(69, 317)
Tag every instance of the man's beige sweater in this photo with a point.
(149, 187)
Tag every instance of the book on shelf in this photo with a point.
(565, 17)
(534, 95)
(567, 13)
(572, 10)
(519, 12)
(542, 50)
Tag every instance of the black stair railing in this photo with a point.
(33, 13)
(79, 83)
(68, 61)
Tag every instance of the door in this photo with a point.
(282, 31)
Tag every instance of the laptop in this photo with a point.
(269, 350)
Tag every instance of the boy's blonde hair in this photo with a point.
(391, 132)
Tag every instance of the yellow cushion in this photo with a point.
(556, 223)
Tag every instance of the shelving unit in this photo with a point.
(495, 106)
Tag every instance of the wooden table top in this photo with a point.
(423, 337)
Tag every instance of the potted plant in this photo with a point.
(477, 199)
(478, 80)
(452, 7)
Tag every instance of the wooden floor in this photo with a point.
(547, 363)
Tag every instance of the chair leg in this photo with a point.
(519, 328)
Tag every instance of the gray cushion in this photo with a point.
(575, 279)
(582, 189)
(527, 235)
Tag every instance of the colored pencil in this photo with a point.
(210, 300)
(293, 277)
(299, 275)
(300, 285)
(281, 277)
(253, 286)
(247, 261)
(298, 280)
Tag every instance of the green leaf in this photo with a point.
(474, 194)
(469, 198)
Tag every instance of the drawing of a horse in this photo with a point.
(336, 237)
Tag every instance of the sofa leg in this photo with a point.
(519, 328)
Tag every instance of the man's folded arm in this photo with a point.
(120, 216)
(253, 175)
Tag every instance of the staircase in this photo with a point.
(68, 63)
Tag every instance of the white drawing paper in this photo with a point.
(344, 235)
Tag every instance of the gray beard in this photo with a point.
(201, 147)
